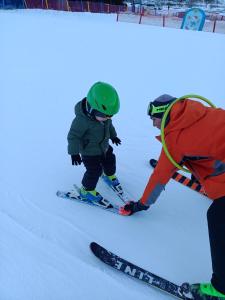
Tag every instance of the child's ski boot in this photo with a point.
(94, 196)
(113, 182)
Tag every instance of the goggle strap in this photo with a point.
(157, 109)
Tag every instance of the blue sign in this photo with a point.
(194, 19)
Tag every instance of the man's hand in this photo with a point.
(132, 207)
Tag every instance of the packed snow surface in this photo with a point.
(49, 60)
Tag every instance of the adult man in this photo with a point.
(195, 137)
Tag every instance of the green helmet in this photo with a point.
(104, 98)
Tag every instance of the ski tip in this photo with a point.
(93, 246)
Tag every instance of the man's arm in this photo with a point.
(159, 178)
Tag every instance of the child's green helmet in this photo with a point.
(104, 98)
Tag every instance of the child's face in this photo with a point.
(102, 119)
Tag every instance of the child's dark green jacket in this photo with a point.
(88, 136)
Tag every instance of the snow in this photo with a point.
(48, 62)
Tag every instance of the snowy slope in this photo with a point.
(48, 62)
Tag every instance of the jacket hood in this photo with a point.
(184, 114)
(78, 109)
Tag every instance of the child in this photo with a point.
(89, 136)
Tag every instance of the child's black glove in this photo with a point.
(116, 141)
(76, 159)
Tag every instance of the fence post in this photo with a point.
(141, 15)
(140, 18)
(67, 5)
(214, 25)
(82, 6)
(25, 3)
(164, 18)
(117, 17)
(133, 6)
(102, 7)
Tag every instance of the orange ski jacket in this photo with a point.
(195, 137)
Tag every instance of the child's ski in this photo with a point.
(74, 195)
(190, 183)
(118, 263)
(118, 190)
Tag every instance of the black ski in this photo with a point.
(118, 263)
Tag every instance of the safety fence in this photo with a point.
(214, 24)
(64, 5)
(76, 6)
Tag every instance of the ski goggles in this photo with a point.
(101, 115)
(154, 110)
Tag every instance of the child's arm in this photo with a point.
(76, 132)
(113, 135)
(112, 131)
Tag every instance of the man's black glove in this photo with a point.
(116, 141)
(76, 159)
(132, 207)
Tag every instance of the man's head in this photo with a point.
(157, 108)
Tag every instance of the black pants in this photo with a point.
(216, 226)
(95, 165)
